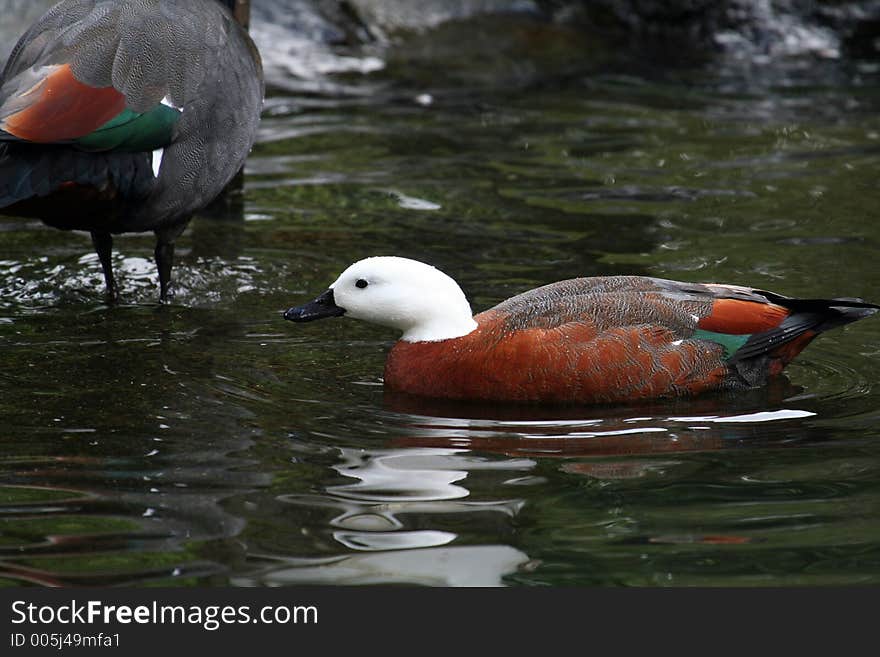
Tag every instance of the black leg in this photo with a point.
(103, 243)
(165, 254)
(164, 260)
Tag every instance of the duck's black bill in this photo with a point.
(323, 306)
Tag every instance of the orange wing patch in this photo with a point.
(64, 109)
(738, 317)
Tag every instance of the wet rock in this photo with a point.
(393, 15)
(856, 23)
(309, 39)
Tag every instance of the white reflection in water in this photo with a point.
(762, 416)
(482, 565)
(374, 541)
(417, 482)
(460, 430)
(380, 517)
(412, 474)
(413, 203)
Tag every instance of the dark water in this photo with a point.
(209, 442)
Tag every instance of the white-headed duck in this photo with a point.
(588, 340)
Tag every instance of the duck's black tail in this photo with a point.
(768, 352)
(808, 318)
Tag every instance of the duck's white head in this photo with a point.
(417, 299)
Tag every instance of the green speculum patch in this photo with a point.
(731, 343)
(133, 132)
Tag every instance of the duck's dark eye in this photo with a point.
(361, 283)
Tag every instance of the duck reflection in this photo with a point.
(661, 427)
(454, 475)
(389, 495)
(469, 565)
(418, 482)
